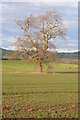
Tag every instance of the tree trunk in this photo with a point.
(40, 66)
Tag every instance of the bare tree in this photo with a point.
(39, 35)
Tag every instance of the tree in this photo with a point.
(39, 35)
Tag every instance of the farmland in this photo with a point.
(29, 94)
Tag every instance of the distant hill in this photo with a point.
(5, 53)
(73, 55)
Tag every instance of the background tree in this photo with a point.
(39, 35)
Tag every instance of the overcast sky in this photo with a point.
(19, 10)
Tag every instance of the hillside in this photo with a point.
(75, 55)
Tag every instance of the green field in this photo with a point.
(28, 94)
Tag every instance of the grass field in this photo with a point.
(28, 94)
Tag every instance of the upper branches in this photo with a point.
(39, 31)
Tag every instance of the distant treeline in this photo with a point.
(4, 55)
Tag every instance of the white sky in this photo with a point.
(39, 0)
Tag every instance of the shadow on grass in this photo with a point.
(64, 72)
(67, 72)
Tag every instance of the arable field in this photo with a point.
(28, 94)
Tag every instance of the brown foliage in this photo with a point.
(39, 35)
